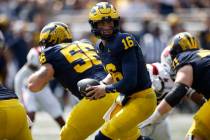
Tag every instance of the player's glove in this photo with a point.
(155, 117)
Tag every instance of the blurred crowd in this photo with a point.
(152, 22)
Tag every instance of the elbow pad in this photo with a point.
(176, 94)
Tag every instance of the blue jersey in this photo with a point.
(123, 59)
(73, 62)
(6, 94)
(200, 62)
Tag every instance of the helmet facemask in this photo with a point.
(99, 32)
(104, 12)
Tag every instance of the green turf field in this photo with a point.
(46, 129)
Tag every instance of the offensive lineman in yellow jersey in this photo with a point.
(192, 67)
(13, 118)
(70, 62)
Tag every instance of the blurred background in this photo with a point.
(152, 22)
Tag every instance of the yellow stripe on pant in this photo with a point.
(123, 124)
(13, 121)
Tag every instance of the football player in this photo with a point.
(70, 62)
(162, 84)
(13, 118)
(123, 60)
(191, 65)
(162, 78)
(44, 98)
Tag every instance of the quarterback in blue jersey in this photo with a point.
(70, 62)
(123, 60)
(13, 118)
(191, 65)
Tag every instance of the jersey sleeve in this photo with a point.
(129, 70)
(46, 55)
(180, 61)
(127, 55)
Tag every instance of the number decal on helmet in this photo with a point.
(55, 33)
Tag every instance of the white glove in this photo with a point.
(155, 117)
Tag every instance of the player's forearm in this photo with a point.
(123, 86)
(163, 107)
(35, 83)
(160, 113)
(40, 78)
(129, 71)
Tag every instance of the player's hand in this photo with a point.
(96, 92)
(154, 118)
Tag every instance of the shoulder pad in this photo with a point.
(48, 53)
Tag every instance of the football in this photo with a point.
(85, 83)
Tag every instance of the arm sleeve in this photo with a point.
(129, 70)
(176, 94)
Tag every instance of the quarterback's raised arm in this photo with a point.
(40, 78)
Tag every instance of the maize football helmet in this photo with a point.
(103, 11)
(183, 42)
(55, 33)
